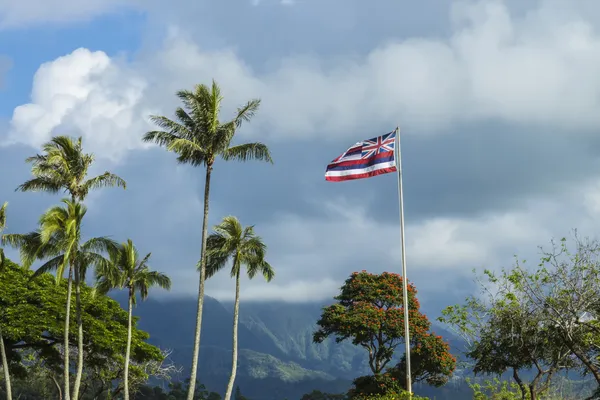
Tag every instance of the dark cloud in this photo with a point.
(270, 30)
(460, 171)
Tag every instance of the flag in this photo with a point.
(365, 159)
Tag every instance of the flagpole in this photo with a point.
(398, 160)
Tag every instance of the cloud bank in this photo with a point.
(534, 73)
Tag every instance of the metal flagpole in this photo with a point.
(398, 159)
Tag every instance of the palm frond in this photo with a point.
(215, 262)
(29, 245)
(172, 127)
(230, 228)
(246, 112)
(40, 184)
(99, 245)
(248, 151)
(159, 279)
(57, 264)
(3, 216)
(107, 179)
(185, 146)
(262, 267)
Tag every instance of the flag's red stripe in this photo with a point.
(361, 161)
(360, 176)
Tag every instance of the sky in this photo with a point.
(497, 102)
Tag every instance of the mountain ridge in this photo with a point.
(276, 351)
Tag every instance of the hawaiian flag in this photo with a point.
(365, 159)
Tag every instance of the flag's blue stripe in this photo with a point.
(367, 162)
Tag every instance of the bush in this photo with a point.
(379, 387)
(402, 395)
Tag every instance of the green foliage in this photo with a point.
(402, 395)
(198, 137)
(64, 166)
(369, 312)
(430, 362)
(127, 270)
(379, 387)
(231, 241)
(375, 385)
(496, 389)
(2, 226)
(177, 391)
(545, 318)
(318, 395)
(31, 319)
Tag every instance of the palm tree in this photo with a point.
(64, 166)
(198, 137)
(2, 349)
(231, 241)
(58, 240)
(127, 270)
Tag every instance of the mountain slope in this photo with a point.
(277, 359)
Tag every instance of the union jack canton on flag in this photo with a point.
(365, 159)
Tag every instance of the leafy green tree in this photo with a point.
(58, 240)
(495, 389)
(430, 362)
(563, 290)
(2, 227)
(32, 324)
(530, 320)
(2, 349)
(369, 312)
(379, 387)
(198, 137)
(63, 166)
(127, 270)
(232, 242)
(505, 333)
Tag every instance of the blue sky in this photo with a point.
(497, 102)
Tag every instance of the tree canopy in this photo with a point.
(369, 312)
(31, 321)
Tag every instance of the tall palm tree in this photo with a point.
(198, 137)
(127, 270)
(64, 166)
(2, 349)
(58, 240)
(232, 242)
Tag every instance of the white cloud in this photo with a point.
(14, 14)
(316, 254)
(83, 93)
(540, 70)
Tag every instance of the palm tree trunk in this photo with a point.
(67, 386)
(236, 314)
(127, 349)
(77, 384)
(192, 388)
(5, 368)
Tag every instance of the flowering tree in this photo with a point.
(369, 311)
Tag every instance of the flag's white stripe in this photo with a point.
(351, 157)
(362, 170)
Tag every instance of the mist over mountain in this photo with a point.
(277, 354)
